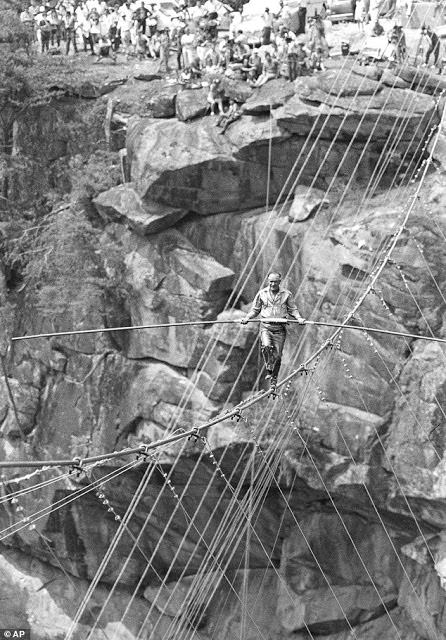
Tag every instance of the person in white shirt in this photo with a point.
(211, 6)
(198, 11)
(188, 47)
(272, 303)
(125, 9)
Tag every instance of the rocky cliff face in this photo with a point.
(348, 530)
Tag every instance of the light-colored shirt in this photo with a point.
(270, 305)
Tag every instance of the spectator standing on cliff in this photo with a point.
(433, 44)
(113, 34)
(45, 32)
(302, 15)
(267, 27)
(54, 21)
(293, 53)
(70, 32)
(273, 303)
(141, 16)
(164, 42)
(188, 47)
(317, 36)
(360, 14)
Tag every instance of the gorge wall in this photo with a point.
(189, 222)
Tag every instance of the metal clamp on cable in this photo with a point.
(143, 452)
(196, 435)
(237, 416)
(77, 466)
(305, 370)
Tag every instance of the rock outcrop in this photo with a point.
(173, 162)
(123, 204)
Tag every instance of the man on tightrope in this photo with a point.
(273, 302)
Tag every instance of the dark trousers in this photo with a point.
(272, 341)
(435, 50)
(292, 67)
(266, 35)
(55, 36)
(224, 121)
(71, 38)
(88, 40)
(46, 37)
(302, 15)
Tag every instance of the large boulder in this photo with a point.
(192, 103)
(363, 115)
(306, 598)
(391, 80)
(191, 166)
(159, 394)
(232, 363)
(417, 434)
(306, 202)
(161, 103)
(42, 598)
(19, 405)
(271, 95)
(381, 628)
(155, 98)
(122, 203)
(422, 594)
(173, 281)
(237, 90)
(335, 84)
(421, 80)
(183, 165)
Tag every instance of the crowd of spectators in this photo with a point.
(188, 39)
(197, 42)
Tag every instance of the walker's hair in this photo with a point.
(275, 273)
